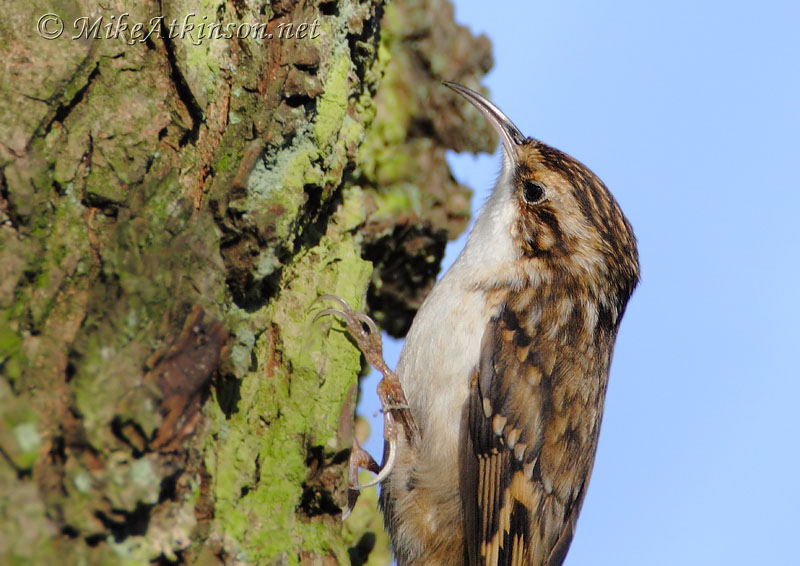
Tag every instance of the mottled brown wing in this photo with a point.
(531, 450)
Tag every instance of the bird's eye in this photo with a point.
(532, 192)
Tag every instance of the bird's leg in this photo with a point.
(394, 405)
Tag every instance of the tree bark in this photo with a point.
(172, 202)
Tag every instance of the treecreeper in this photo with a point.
(492, 416)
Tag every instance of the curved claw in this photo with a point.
(362, 330)
(328, 311)
(364, 319)
(334, 298)
(385, 471)
(348, 318)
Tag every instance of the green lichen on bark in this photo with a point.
(170, 210)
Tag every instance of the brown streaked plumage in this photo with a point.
(506, 365)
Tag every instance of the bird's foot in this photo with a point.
(394, 406)
(359, 459)
(362, 329)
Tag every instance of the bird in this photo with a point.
(493, 413)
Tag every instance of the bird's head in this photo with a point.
(563, 218)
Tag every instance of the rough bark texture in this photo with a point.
(170, 208)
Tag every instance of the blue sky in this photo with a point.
(690, 112)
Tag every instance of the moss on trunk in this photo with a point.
(171, 206)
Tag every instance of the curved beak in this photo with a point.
(508, 132)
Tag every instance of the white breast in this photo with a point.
(443, 345)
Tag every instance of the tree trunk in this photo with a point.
(172, 202)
